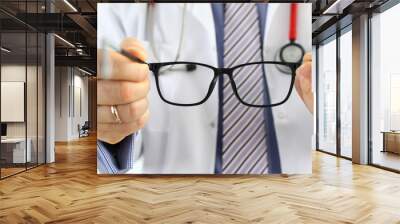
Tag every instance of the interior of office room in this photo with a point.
(71, 102)
(334, 92)
(22, 101)
(26, 140)
(23, 137)
(23, 59)
(53, 90)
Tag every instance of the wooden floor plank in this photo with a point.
(70, 191)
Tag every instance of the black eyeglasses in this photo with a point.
(173, 78)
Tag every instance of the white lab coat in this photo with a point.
(183, 139)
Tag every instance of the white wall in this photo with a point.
(61, 104)
(79, 117)
(12, 73)
(67, 115)
(33, 126)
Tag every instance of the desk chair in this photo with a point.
(84, 130)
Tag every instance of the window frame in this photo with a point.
(379, 10)
(334, 37)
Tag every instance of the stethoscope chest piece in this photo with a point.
(292, 52)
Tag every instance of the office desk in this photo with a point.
(391, 141)
(13, 150)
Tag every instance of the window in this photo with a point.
(346, 93)
(394, 102)
(327, 97)
(385, 89)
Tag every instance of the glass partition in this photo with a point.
(31, 99)
(32, 86)
(14, 153)
(327, 96)
(22, 88)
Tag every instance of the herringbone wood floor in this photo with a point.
(69, 191)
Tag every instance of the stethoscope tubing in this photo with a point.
(292, 36)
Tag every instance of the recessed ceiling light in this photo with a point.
(84, 71)
(337, 7)
(65, 41)
(70, 5)
(5, 50)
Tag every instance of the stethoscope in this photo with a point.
(292, 52)
(107, 44)
(150, 20)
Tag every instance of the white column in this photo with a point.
(50, 99)
(360, 90)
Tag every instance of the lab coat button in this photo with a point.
(212, 124)
(282, 115)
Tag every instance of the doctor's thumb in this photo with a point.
(134, 47)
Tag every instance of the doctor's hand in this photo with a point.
(303, 82)
(125, 85)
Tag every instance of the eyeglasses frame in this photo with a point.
(155, 68)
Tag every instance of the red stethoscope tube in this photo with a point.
(291, 48)
(293, 22)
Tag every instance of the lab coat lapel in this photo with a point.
(272, 143)
(203, 13)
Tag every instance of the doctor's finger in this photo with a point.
(127, 112)
(115, 66)
(120, 92)
(114, 133)
(134, 47)
(307, 57)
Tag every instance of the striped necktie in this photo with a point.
(244, 147)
